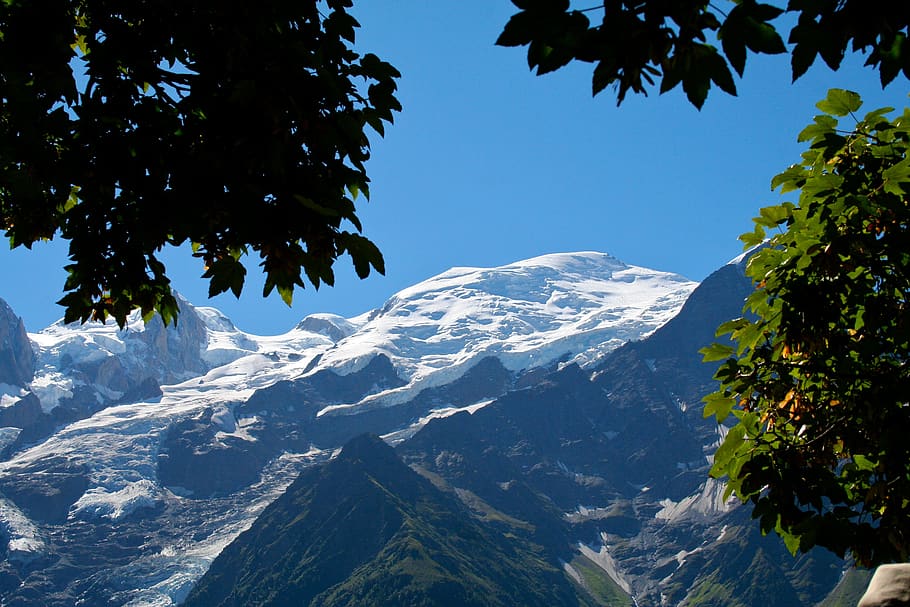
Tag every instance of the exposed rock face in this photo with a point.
(173, 353)
(196, 462)
(17, 360)
(24, 413)
(47, 494)
(156, 353)
(206, 455)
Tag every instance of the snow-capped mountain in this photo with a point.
(525, 314)
(593, 480)
(164, 443)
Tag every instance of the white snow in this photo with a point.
(745, 254)
(709, 502)
(393, 438)
(50, 386)
(10, 395)
(99, 502)
(8, 436)
(527, 314)
(25, 541)
(166, 578)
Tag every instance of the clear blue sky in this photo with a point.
(489, 164)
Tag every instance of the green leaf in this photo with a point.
(604, 75)
(287, 293)
(822, 126)
(745, 26)
(773, 216)
(894, 58)
(896, 179)
(721, 76)
(840, 102)
(363, 253)
(864, 463)
(732, 38)
(791, 541)
(791, 179)
(719, 405)
(875, 116)
(729, 327)
(518, 31)
(716, 352)
(753, 238)
(859, 321)
(316, 207)
(726, 452)
(225, 274)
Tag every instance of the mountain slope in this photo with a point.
(365, 530)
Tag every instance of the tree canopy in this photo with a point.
(819, 374)
(634, 43)
(239, 128)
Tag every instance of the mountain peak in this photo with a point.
(527, 314)
(366, 448)
(332, 326)
(17, 360)
(579, 261)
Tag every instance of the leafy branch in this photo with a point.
(636, 43)
(817, 376)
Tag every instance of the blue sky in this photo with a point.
(489, 164)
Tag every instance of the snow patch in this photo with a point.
(399, 436)
(51, 386)
(10, 395)
(8, 436)
(100, 503)
(739, 259)
(25, 542)
(709, 502)
(603, 559)
(573, 573)
(527, 314)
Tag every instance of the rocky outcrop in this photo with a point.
(334, 327)
(195, 461)
(17, 360)
(24, 413)
(46, 494)
(173, 353)
(128, 365)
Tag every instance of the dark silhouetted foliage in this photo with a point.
(635, 43)
(237, 127)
